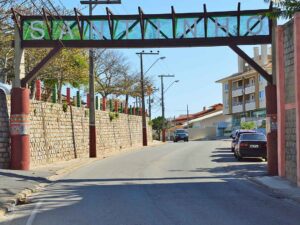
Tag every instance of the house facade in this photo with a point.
(244, 92)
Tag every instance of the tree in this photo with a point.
(68, 67)
(287, 8)
(110, 67)
(248, 125)
(157, 125)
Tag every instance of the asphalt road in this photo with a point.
(197, 183)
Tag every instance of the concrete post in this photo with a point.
(297, 89)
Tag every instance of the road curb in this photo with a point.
(19, 198)
(277, 192)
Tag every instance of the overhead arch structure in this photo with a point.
(199, 29)
(231, 28)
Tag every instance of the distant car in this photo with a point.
(251, 145)
(181, 135)
(236, 135)
(5, 88)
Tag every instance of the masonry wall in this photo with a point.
(4, 132)
(58, 134)
(288, 101)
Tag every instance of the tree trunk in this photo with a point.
(32, 89)
(59, 89)
(126, 101)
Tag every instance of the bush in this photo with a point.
(248, 125)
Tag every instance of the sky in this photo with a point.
(197, 69)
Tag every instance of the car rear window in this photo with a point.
(253, 137)
(180, 132)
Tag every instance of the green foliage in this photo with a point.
(65, 107)
(264, 124)
(157, 123)
(113, 116)
(248, 125)
(287, 8)
(150, 123)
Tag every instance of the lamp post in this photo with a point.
(163, 104)
(144, 125)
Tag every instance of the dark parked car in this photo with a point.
(236, 135)
(181, 135)
(251, 145)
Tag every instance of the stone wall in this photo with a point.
(289, 63)
(4, 132)
(58, 134)
(290, 145)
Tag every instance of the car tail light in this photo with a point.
(245, 145)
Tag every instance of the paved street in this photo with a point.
(197, 183)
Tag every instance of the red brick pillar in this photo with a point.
(116, 106)
(280, 79)
(19, 129)
(271, 107)
(297, 87)
(38, 87)
(68, 96)
(88, 101)
(103, 104)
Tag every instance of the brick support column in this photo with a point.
(19, 129)
(297, 85)
(280, 77)
(116, 106)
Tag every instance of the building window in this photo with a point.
(226, 87)
(262, 95)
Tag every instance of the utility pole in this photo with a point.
(92, 116)
(144, 123)
(187, 116)
(163, 105)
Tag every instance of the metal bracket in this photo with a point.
(33, 73)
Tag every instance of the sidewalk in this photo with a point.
(279, 186)
(16, 186)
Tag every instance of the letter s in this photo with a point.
(34, 28)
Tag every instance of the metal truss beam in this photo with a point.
(252, 63)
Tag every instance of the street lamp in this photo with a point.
(161, 58)
(176, 81)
